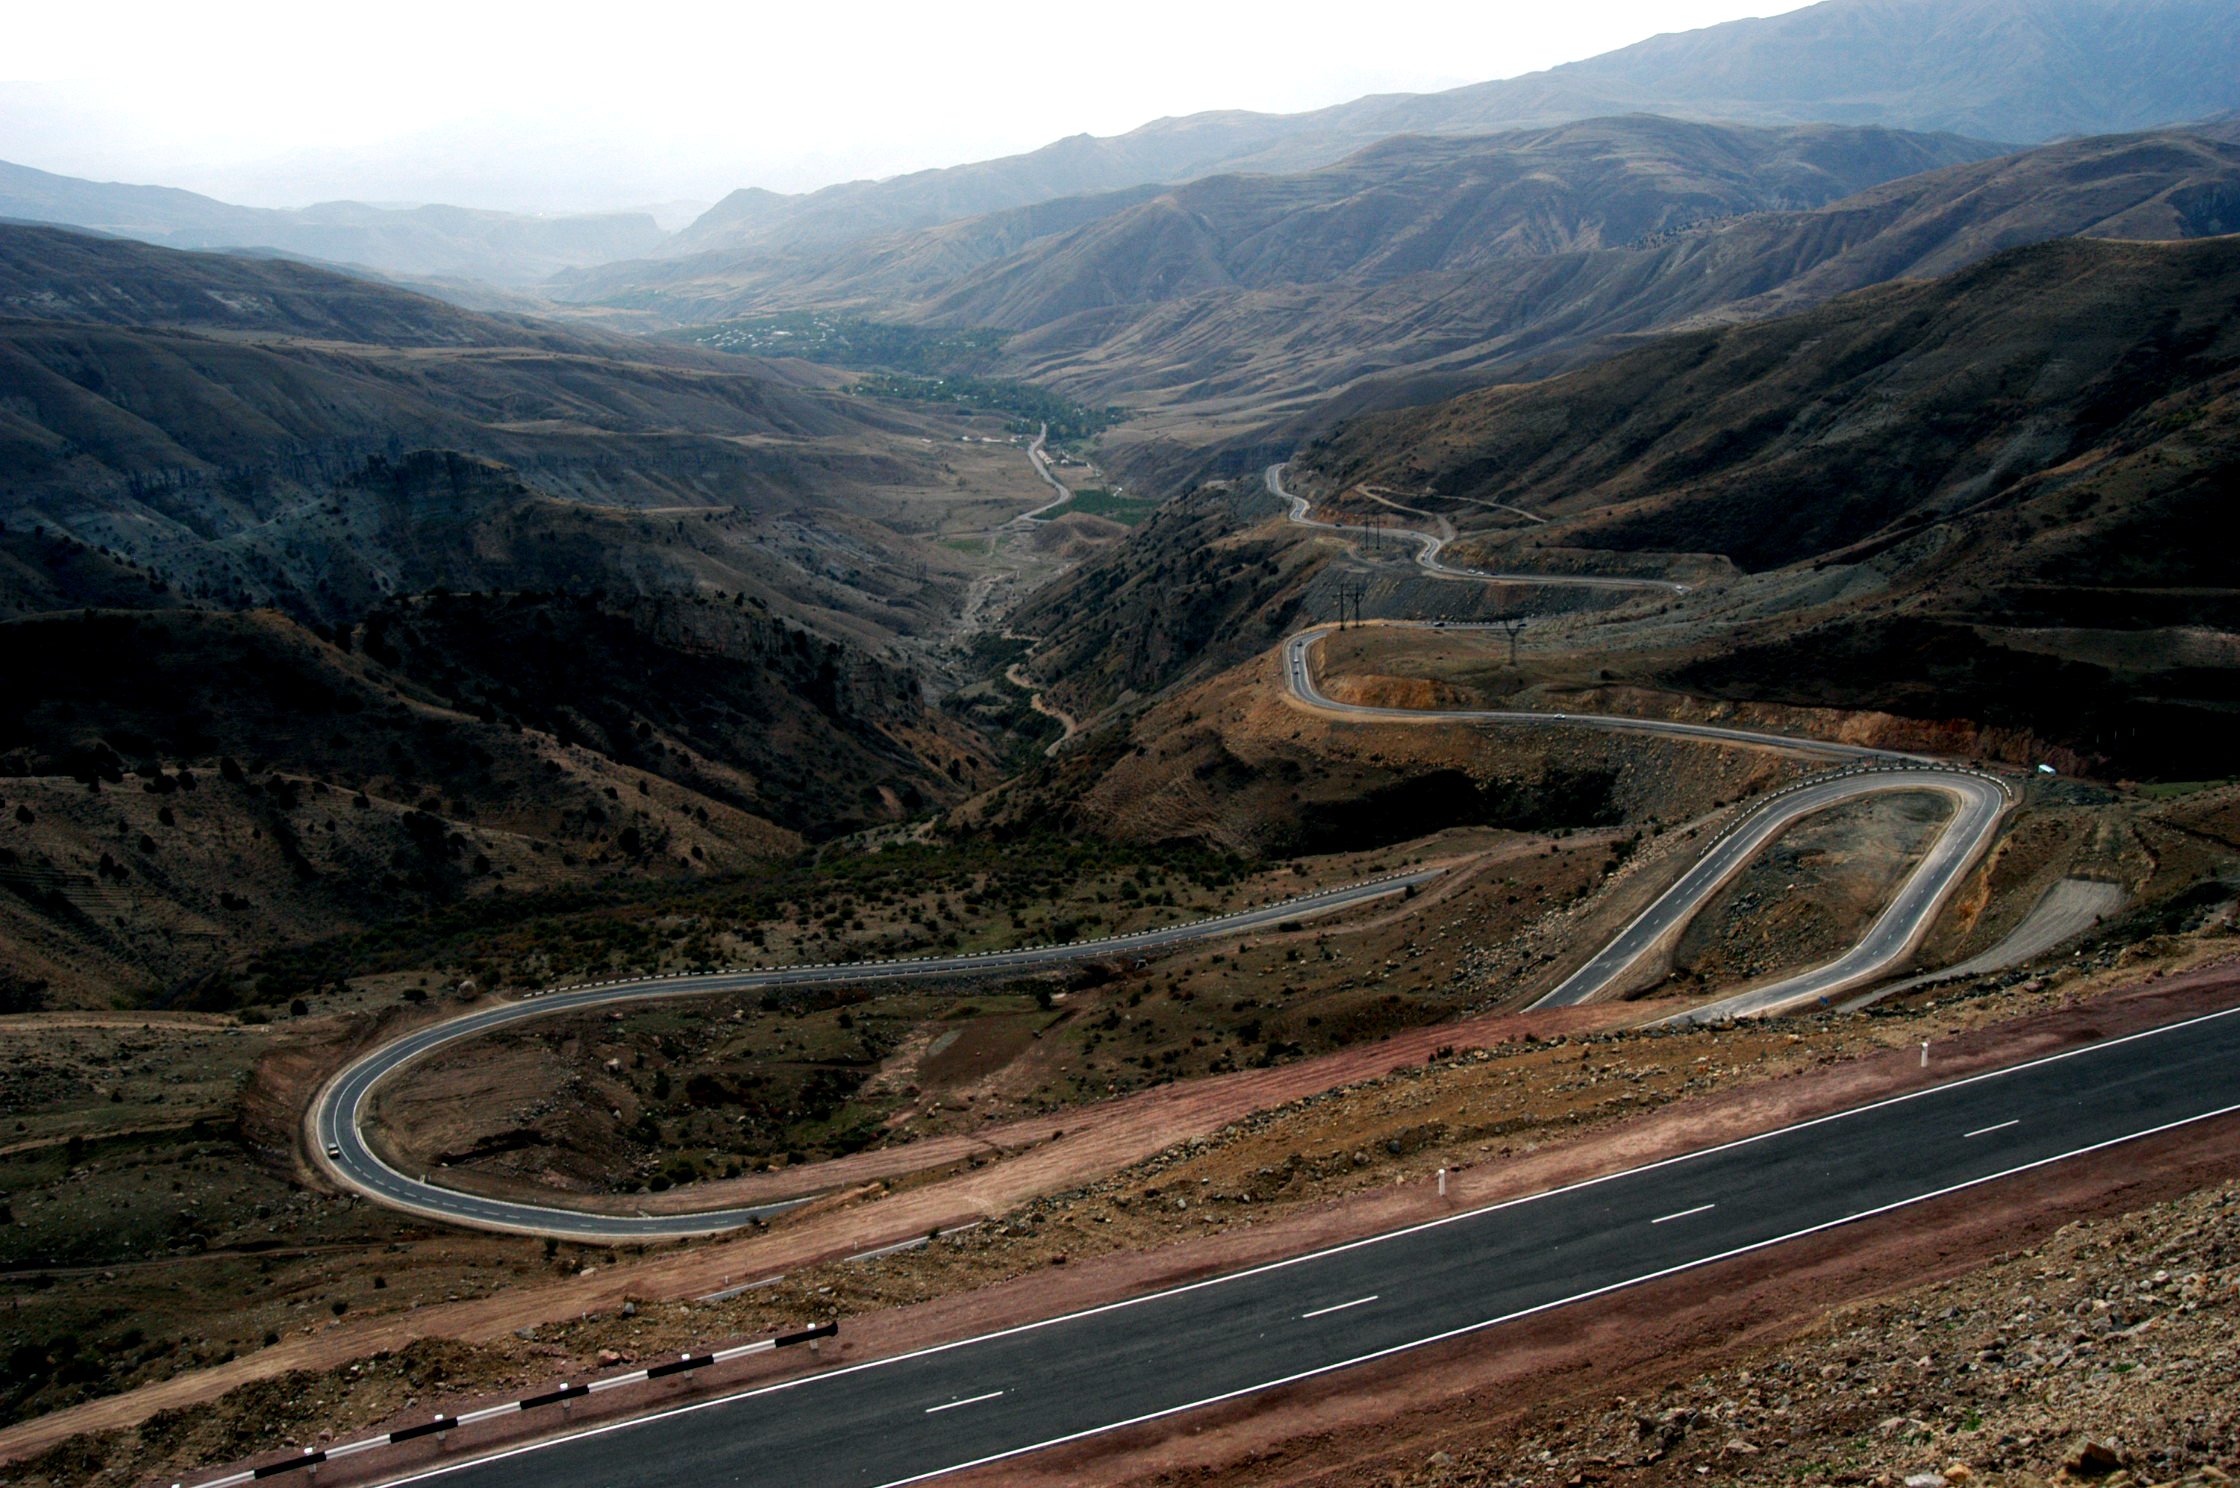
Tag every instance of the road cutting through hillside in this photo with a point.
(334, 1123)
(1980, 802)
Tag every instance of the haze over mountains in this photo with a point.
(499, 248)
(2011, 71)
(1410, 204)
(199, 412)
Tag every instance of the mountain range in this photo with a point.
(472, 607)
(2014, 71)
(1238, 314)
(2017, 71)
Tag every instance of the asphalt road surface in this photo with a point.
(2069, 908)
(1978, 804)
(905, 1419)
(1041, 464)
(337, 1114)
(1299, 668)
(1981, 802)
(1428, 548)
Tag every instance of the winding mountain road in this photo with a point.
(1980, 801)
(1429, 546)
(1041, 464)
(908, 1418)
(337, 1115)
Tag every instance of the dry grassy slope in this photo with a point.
(42, 571)
(1418, 205)
(1200, 581)
(241, 427)
(1287, 348)
(1924, 400)
(521, 742)
(1811, 895)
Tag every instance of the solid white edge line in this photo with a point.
(1683, 1214)
(935, 1410)
(1984, 1131)
(1340, 1307)
(942, 1348)
(1468, 1328)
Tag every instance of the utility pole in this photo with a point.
(1514, 626)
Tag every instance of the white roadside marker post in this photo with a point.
(1924, 1053)
(1442, 1183)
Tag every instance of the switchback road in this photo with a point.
(337, 1115)
(1428, 547)
(1979, 801)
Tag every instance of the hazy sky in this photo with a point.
(566, 106)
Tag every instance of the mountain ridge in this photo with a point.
(1978, 67)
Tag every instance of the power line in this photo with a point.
(1514, 626)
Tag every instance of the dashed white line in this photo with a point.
(933, 1410)
(1984, 1131)
(1683, 1214)
(1340, 1307)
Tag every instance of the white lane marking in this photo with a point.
(1683, 1214)
(1341, 1307)
(935, 1410)
(1480, 1327)
(1041, 1323)
(1983, 1131)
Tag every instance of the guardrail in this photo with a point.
(307, 1459)
(1211, 923)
